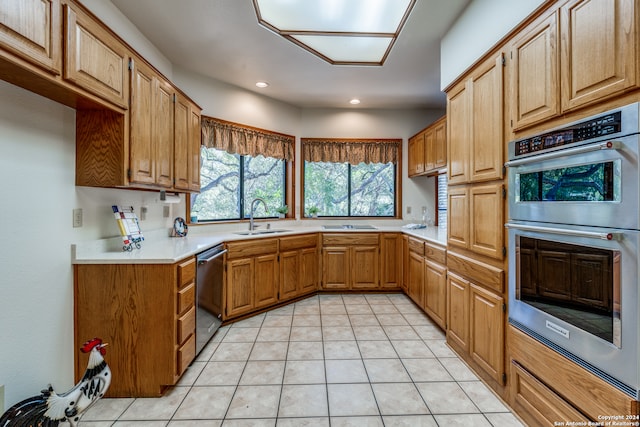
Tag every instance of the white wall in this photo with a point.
(482, 24)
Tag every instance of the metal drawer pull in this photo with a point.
(608, 145)
(566, 232)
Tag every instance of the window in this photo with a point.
(238, 165)
(229, 182)
(363, 182)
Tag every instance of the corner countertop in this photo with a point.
(159, 248)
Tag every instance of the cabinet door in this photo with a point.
(535, 86)
(487, 220)
(163, 133)
(598, 52)
(364, 267)
(435, 298)
(141, 149)
(416, 155)
(181, 143)
(308, 270)
(458, 311)
(266, 280)
(416, 278)
(31, 30)
(94, 59)
(429, 149)
(391, 260)
(240, 273)
(335, 267)
(487, 331)
(487, 145)
(405, 263)
(440, 144)
(289, 274)
(195, 139)
(458, 216)
(458, 134)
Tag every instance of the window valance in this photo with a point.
(245, 140)
(353, 151)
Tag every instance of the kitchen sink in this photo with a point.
(349, 227)
(258, 232)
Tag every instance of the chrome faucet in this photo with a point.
(253, 208)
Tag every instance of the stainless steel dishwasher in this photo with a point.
(209, 278)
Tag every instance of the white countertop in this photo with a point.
(159, 248)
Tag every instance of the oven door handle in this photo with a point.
(608, 145)
(566, 232)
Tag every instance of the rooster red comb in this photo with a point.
(89, 345)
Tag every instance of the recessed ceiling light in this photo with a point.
(354, 101)
(262, 84)
(342, 32)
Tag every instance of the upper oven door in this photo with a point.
(593, 184)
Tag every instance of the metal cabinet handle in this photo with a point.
(566, 232)
(608, 145)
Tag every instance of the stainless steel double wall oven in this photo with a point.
(574, 232)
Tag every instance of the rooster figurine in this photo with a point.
(50, 409)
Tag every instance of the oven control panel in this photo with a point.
(604, 125)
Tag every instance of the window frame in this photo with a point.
(397, 186)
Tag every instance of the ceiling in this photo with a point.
(222, 39)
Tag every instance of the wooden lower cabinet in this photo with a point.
(350, 261)
(391, 260)
(416, 278)
(146, 312)
(546, 387)
(487, 331)
(435, 292)
(252, 276)
(458, 312)
(475, 324)
(298, 266)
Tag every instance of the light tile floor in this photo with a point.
(328, 360)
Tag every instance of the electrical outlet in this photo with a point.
(1, 399)
(143, 213)
(408, 210)
(166, 211)
(77, 218)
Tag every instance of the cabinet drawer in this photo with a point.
(333, 239)
(298, 242)
(435, 253)
(252, 248)
(416, 246)
(185, 355)
(186, 272)
(186, 325)
(483, 274)
(538, 400)
(186, 298)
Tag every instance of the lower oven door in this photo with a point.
(575, 289)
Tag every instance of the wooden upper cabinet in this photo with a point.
(458, 116)
(439, 150)
(141, 145)
(598, 50)
(195, 142)
(163, 133)
(535, 88)
(182, 143)
(487, 145)
(429, 147)
(95, 59)
(458, 216)
(486, 232)
(31, 29)
(416, 155)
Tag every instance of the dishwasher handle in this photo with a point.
(211, 258)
